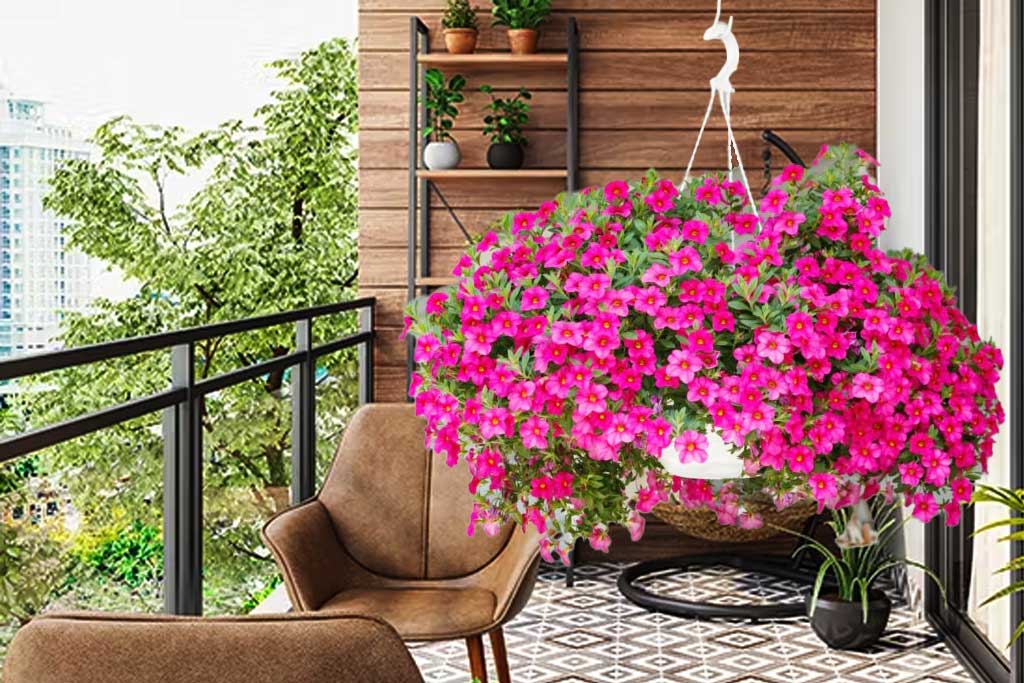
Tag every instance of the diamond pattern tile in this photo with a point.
(591, 634)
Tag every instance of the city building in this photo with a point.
(40, 278)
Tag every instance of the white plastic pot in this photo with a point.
(442, 156)
(724, 461)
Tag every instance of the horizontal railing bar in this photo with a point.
(228, 379)
(56, 360)
(340, 344)
(37, 439)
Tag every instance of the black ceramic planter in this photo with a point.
(840, 623)
(505, 156)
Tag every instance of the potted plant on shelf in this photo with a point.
(442, 152)
(460, 27)
(522, 18)
(504, 123)
(593, 345)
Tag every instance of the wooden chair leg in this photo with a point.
(500, 655)
(477, 663)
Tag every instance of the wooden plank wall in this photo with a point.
(807, 70)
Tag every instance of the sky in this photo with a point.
(192, 63)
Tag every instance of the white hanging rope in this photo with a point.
(722, 86)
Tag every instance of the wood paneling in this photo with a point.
(807, 72)
(639, 31)
(602, 149)
(660, 70)
(648, 110)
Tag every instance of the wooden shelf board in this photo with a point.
(436, 281)
(495, 59)
(486, 173)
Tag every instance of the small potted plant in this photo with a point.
(851, 612)
(504, 124)
(522, 18)
(442, 152)
(460, 31)
(1013, 501)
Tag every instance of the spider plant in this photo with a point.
(1013, 501)
(855, 569)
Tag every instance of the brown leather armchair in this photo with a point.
(386, 536)
(287, 648)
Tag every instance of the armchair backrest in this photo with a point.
(400, 511)
(286, 648)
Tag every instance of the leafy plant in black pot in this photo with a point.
(522, 17)
(503, 124)
(442, 152)
(852, 612)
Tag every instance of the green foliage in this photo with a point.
(517, 14)
(856, 569)
(441, 99)
(271, 227)
(507, 118)
(262, 594)
(31, 569)
(132, 554)
(1013, 501)
(459, 14)
(14, 474)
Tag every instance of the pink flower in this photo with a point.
(685, 260)
(692, 446)
(563, 485)
(867, 387)
(534, 432)
(683, 364)
(427, 347)
(773, 346)
(590, 398)
(774, 202)
(542, 487)
(709, 191)
(636, 524)
(925, 507)
(494, 422)
(823, 488)
(534, 299)
(600, 540)
(616, 191)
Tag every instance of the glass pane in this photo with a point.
(993, 303)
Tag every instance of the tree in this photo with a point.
(272, 227)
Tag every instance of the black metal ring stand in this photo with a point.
(793, 569)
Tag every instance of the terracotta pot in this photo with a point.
(460, 41)
(522, 41)
(840, 623)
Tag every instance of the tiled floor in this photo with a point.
(590, 634)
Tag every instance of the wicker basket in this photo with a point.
(703, 523)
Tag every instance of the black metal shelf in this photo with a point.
(422, 182)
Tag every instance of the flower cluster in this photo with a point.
(586, 337)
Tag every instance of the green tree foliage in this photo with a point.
(271, 227)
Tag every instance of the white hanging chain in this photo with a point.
(722, 86)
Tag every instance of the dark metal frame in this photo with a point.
(951, 240)
(420, 189)
(182, 404)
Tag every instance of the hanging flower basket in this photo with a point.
(702, 523)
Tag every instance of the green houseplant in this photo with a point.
(849, 612)
(442, 152)
(460, 28)
(503, 124)
(1013, 501)
(522, 18)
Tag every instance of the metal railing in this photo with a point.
(182, 406)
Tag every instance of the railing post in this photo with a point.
(304, 416)
(366, 356)
(183, 491)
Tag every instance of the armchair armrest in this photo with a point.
(511, 574)
(305, 545)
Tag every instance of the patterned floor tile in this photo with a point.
(591, 634)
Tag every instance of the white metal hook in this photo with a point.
(723, 32)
